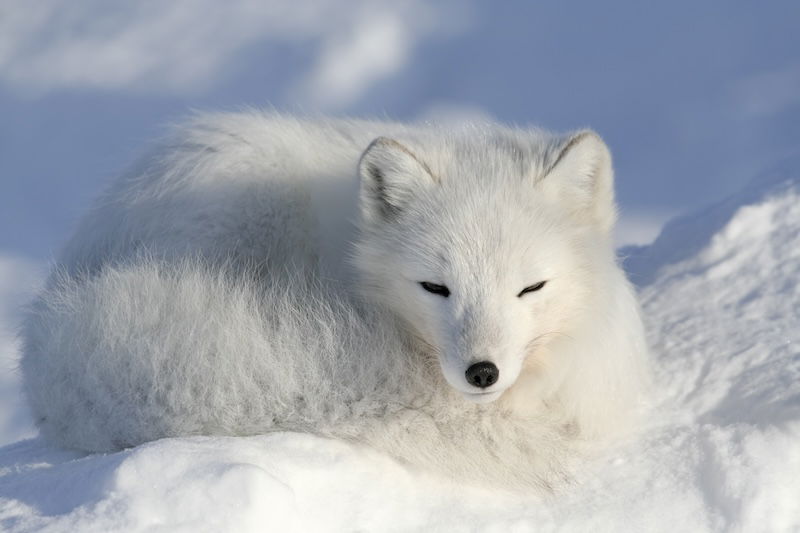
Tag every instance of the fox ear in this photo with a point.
(581, 178)
(390, 176)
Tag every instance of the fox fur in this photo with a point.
(260, 272)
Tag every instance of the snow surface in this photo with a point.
(719, 452)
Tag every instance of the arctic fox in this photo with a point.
(449, 296)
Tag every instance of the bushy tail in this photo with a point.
(146, 349)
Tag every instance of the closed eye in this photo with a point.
(532, 288)
(434, 288)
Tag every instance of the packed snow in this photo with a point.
(720, 450)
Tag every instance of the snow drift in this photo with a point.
(720, 451)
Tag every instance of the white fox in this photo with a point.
(213, 291)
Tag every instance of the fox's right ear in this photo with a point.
(390, 176)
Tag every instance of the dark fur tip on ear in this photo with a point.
(373, 185)
(586, 141)
(389, 150)
(581, 174)
(390, 176)
(384, 142)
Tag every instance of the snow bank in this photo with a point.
(721, 451)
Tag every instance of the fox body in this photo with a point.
(450, 296)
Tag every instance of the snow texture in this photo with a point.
(721, 451)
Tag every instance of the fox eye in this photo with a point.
(533, 288)
(441, 290)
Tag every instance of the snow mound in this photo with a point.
(720, 451)
(687, 237)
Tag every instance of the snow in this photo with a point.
(719, 452)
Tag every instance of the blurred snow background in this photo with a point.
(694, 98)
(18, 281)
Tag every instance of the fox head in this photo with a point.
(484, 245)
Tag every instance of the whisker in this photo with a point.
(537, 341)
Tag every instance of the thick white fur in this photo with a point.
(244, 279)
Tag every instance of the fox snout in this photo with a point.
(483, 374)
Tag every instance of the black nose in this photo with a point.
(483, 374)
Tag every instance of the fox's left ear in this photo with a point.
(581, 178)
